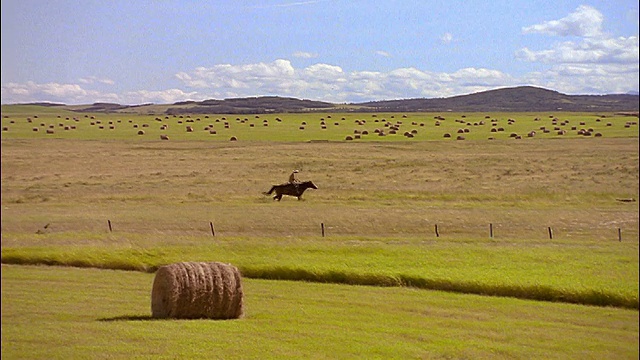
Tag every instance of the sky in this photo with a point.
(340, 51)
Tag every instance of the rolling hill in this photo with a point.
(516, 99)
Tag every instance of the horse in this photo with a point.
(291, 189)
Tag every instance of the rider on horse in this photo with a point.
(293, 180)
(292, 177)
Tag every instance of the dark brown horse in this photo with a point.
(291, 189)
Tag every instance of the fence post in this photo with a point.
(109, 222)
(620, 234)
(322, 228)
(437, 233)
(491, 230)
(213, 232)
(550, 233)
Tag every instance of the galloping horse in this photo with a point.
(291, 189)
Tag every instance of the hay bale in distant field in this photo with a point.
(194, 290)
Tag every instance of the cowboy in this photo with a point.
(292, 177)
(293, 180)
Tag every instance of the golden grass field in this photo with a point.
(365, 189)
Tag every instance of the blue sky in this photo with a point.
(134, 52)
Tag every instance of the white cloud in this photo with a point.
(611, 50)
(304, 55)
(446, 38)
(331, 83)
(169, 96)
(586, 79)
(95, 79)
(52, 92)
(596, 63)
(323, 72)
(585, 21)
(383, 53)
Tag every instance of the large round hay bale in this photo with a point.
(194, 290)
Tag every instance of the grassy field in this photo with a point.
(62, 313)
(27, 122)
(379, 199)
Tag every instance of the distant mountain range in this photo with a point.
(516, 99)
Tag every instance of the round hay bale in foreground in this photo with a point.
(195, 290)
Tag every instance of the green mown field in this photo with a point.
(413, 246)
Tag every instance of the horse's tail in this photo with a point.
(270, 190)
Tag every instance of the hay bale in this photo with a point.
(194, 290)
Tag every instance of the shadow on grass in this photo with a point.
(130, 318)
(151, 318)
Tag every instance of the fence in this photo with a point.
(325, 230)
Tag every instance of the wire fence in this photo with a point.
(323, 229)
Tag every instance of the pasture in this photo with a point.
(115, 200)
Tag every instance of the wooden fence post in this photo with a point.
(110, 228)
(620, 234)
(437, 233)
(322, 228)
(491, 230)
(213, 232)
(550, 233)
